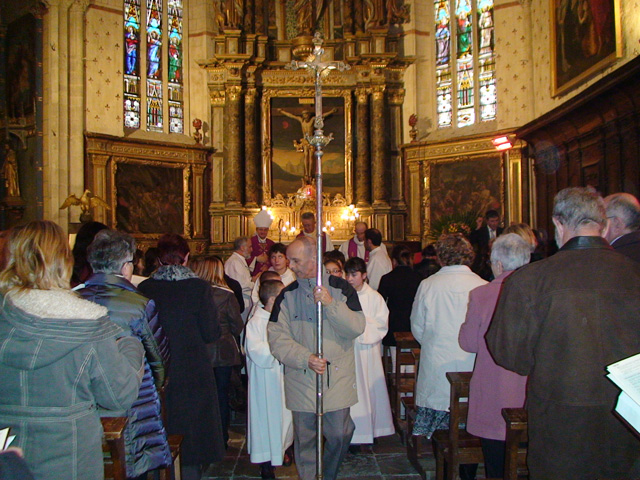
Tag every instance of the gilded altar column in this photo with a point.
(362, 170)
(251, 151)
(396, 99)
(233, 148)
(379, 167)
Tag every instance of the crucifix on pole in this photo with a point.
(319, 140)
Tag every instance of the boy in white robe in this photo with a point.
(270, 428)
(372, 413)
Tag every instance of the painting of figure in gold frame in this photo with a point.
(460, 190)
(149, 198)
(585, 38)
(288, 161)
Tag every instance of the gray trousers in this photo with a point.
(338, 429)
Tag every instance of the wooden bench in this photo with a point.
(402, 381)
(113, 447)
(515, 460)
(456, 446)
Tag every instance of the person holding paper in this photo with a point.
(561, 321)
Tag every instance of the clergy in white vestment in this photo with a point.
(270, 424)
(372, 414)
(280, 265)
(237, 268)
(379, 263)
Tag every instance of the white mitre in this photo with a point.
(262, 219)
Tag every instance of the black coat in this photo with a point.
(629, 245)
(480, 240)
(398, 288)
(190, 319)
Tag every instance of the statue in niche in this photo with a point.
(306, 120)
(10, 172)
(233, 12)
(304, 16)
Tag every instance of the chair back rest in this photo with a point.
(458, 404)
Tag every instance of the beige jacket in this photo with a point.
(292, 339)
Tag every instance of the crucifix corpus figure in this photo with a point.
(306, 120)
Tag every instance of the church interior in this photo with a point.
(190, 116)
(185, 116)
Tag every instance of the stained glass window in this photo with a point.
(472, 75)
(443, 62)
(174, 18)
(154, 65)
(486, 60)
(152, 77)
(132, 64)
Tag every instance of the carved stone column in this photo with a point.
(396, 98)
(363, 173)
(233, 148)
(251, 151)
(379, 167)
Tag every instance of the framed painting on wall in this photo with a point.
(585, 38)
(459, 190)
(288, 160)
(149, 199)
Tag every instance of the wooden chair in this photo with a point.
(515, 461)
(414, 443)
(455, 447)
(402, 381)
(113, 447)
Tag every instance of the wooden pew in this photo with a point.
(515, 461)
(113, 447)
(402, 382)
(455, 446)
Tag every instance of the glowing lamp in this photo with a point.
(502, 143)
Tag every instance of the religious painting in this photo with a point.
(149, 199)
(460, 190)
(293, 162)
(585, 38)
(21, 68)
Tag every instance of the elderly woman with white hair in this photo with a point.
(492, 387)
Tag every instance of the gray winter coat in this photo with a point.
(59, 360)
(292, 332)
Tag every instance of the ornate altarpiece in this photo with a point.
(469, 175)
(253, 50)
(152, 188)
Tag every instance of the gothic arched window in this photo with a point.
(465, 62)
(145, 79)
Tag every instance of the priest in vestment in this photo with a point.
(260, 244)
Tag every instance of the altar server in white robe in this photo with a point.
(372, 413)
(270, 427)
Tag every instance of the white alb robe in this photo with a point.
(379, 264)
(236, 267)
(270, 425)
(372, 413)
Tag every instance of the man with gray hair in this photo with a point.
(237, 268)
(561, 321)
(623, 212)
(111, 258)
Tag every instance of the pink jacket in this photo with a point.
(492, 387)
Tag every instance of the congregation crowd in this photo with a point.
(167, 339)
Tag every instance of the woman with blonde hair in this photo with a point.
(224, 353)
(59, 360)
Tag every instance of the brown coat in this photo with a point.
(561, 321)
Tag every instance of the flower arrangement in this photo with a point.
(462, 223)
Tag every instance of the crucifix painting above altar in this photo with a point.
(293, 162)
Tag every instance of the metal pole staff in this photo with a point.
(319, 68)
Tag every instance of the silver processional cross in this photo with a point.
(319, 69)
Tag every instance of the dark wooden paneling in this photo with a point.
(592, 139)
